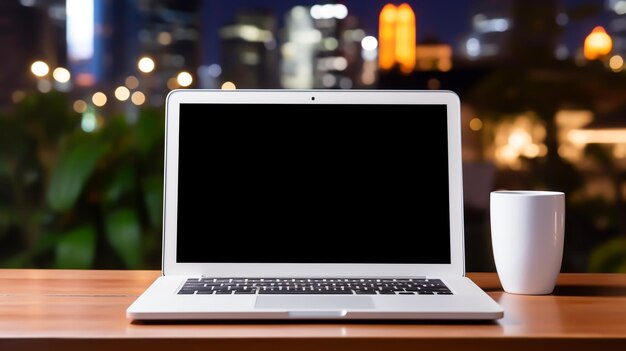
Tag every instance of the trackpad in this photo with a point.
(282, 302)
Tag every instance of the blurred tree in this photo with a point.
(71, 199)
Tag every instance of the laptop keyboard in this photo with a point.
(316, 286)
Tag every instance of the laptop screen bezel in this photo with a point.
(170, 266)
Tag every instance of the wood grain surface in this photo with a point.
(85, 310)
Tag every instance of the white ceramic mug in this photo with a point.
(527, 232)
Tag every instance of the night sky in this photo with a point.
(449, 21)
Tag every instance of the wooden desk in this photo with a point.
(85, 310)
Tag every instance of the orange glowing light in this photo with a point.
(597, 44)
(387, 37)
(396, 38)
(405, 38)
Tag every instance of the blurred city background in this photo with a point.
(83, 82)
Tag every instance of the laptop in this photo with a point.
(318, 204)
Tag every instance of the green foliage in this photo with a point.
(76, 163)
(149, 131)
(153, 190)
(121, 183)
(123, 231)
(70, 199)
(609, 257)
(76, 249)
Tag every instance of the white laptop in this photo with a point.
(315, 204)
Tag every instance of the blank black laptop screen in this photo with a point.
(283, 183)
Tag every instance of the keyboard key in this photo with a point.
(317, 286)
(241, 292)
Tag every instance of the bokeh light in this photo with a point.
(44, 86)
(184, 79)
(215, 70)
(476, 124)
(99, 99)
(172, 84)
(433, 84)
(132, 82)
(80, 106)
(616, 63)
(88, 122)
(146, 64)
(40, 68)
(122, 93)
(369, 43)
(61, 75)
(597, 44)
(17, 96)
(164, 38)
(138, 98)
(229, 86)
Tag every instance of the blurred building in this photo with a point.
(299, 49)
(166, 31)
(249, 50)
(160, 31)
(492, 23)
(403, 63)
(512, 31)
(432, 55)
(338, 61)
(99, 42)
(113, 55)
(322, 49)
(617, 24)
(30, 30)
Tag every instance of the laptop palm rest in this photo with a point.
(300, 304)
